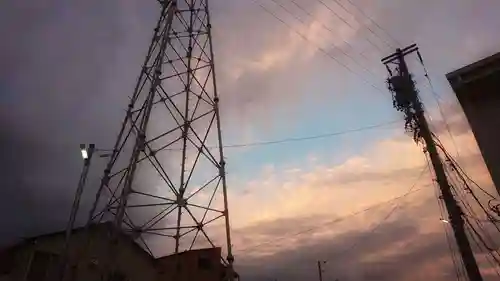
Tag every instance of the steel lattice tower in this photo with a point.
(164, 184)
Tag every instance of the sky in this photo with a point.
(285, 69)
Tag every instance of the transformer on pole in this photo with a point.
(164, 184)
(406, 99)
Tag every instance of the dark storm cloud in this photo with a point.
(63, 64)
(66, 70)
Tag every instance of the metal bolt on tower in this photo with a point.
(163, 183)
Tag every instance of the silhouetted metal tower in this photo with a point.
(164, 184)
(406, 100)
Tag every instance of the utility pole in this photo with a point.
(406, 99)
(320, 270)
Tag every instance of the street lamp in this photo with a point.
(87, 151)
(84, 151)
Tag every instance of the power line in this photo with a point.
(412, 190)
(328, 29)
(468, 212)
(328, 135)
(346, 22)
(298, 139)
(436, 98)
(389, 214)
(374, 22)
(457, 261)
(463, 198)
(480, 243)
(459, 168)
(454, 171)
(320, 49)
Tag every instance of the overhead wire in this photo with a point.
(457, 178)
(430, 82)
(327, 135)
(467, 214)
(436, 98)
(374, 22)
(305, 138)
(484, 243)
(333, 33)
(367, 27)
(480, 235)
(459, 168)
(346, 22)
(388, 215)
(458, 265)
(384, 30)
(435, 95)
(480, 243)
(411, 190)
(489, 217)
(322, 50)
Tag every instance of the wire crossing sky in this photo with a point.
(300, 85)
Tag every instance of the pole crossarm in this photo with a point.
(406, 100)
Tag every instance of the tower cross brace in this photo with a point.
(165, 181)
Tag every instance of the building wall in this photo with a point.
(38, 260)
(484, 117)
(132, 261)
(478, 90)
(196, 265)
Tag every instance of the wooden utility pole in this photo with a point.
(406, 100)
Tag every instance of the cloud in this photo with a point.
(395, 251)
(60, 81)
(409, 245)
(299, 216)
(66, 81)
(268, 66)
(374, 173)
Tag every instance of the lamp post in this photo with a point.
(87, 152)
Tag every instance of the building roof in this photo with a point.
(105, 226)
(93, 226)
(474, 71)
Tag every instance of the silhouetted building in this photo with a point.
(38, 259)
(206, 261)
(477, 87)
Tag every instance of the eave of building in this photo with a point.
(474, 71)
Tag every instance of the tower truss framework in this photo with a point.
(165, 180)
